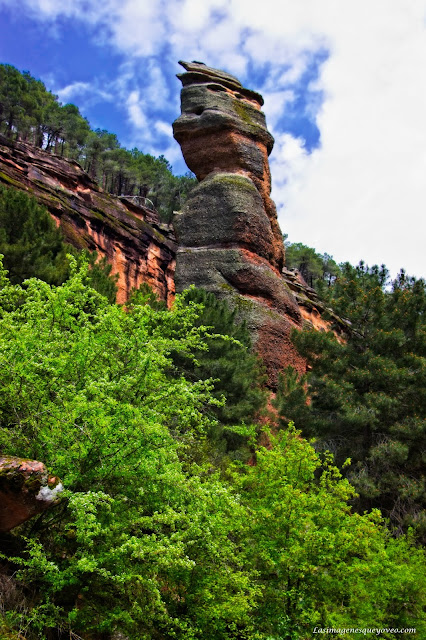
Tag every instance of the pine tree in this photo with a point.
(237, 372)
(318, 270)
(368, 394)
(29, 240)
(32, 246)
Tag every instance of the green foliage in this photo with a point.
(31, 113)
(86, 389)
(149, 541)
(367, 394)
(151, 177)
(29, 240)
(291, 399)
(230, 362)
(318, 270)
(100, 277)
(32, 246)
(318, 564)
(144, 294)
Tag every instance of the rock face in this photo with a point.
(228, 235)
(229, 239)
(139, 247)
(26, 489)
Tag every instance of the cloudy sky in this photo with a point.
(344, 87)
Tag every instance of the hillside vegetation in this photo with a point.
(32, 245)
(32, 114)
(154, 536)
(367, 394)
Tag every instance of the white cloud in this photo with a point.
(362, 194)
(156, 90)
(139, 28)
(85, 94)
(164, 127)
(136, 113)
(276, 102)
(295, 71)
(73, 89)
(89, 10)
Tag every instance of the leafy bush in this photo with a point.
(86, 389)
(149, 539)
(318, 563)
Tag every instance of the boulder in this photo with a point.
(26, 489)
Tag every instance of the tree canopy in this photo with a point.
(318, 270)
(32, 246)
(367, 393)
(31, 113)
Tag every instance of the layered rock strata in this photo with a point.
(134, 241)
(26, 489)
(315, 313)
(228, 235)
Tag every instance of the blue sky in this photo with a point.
(344, 90)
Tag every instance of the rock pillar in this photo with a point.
(229, 241)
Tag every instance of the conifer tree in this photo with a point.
(367, 394)
(32, 246)
(29, 240)
(237, 372)
(318, 270)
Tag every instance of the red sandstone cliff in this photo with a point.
(137, 245)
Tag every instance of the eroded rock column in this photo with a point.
(228, 235)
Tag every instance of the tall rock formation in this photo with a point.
(229, 241)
